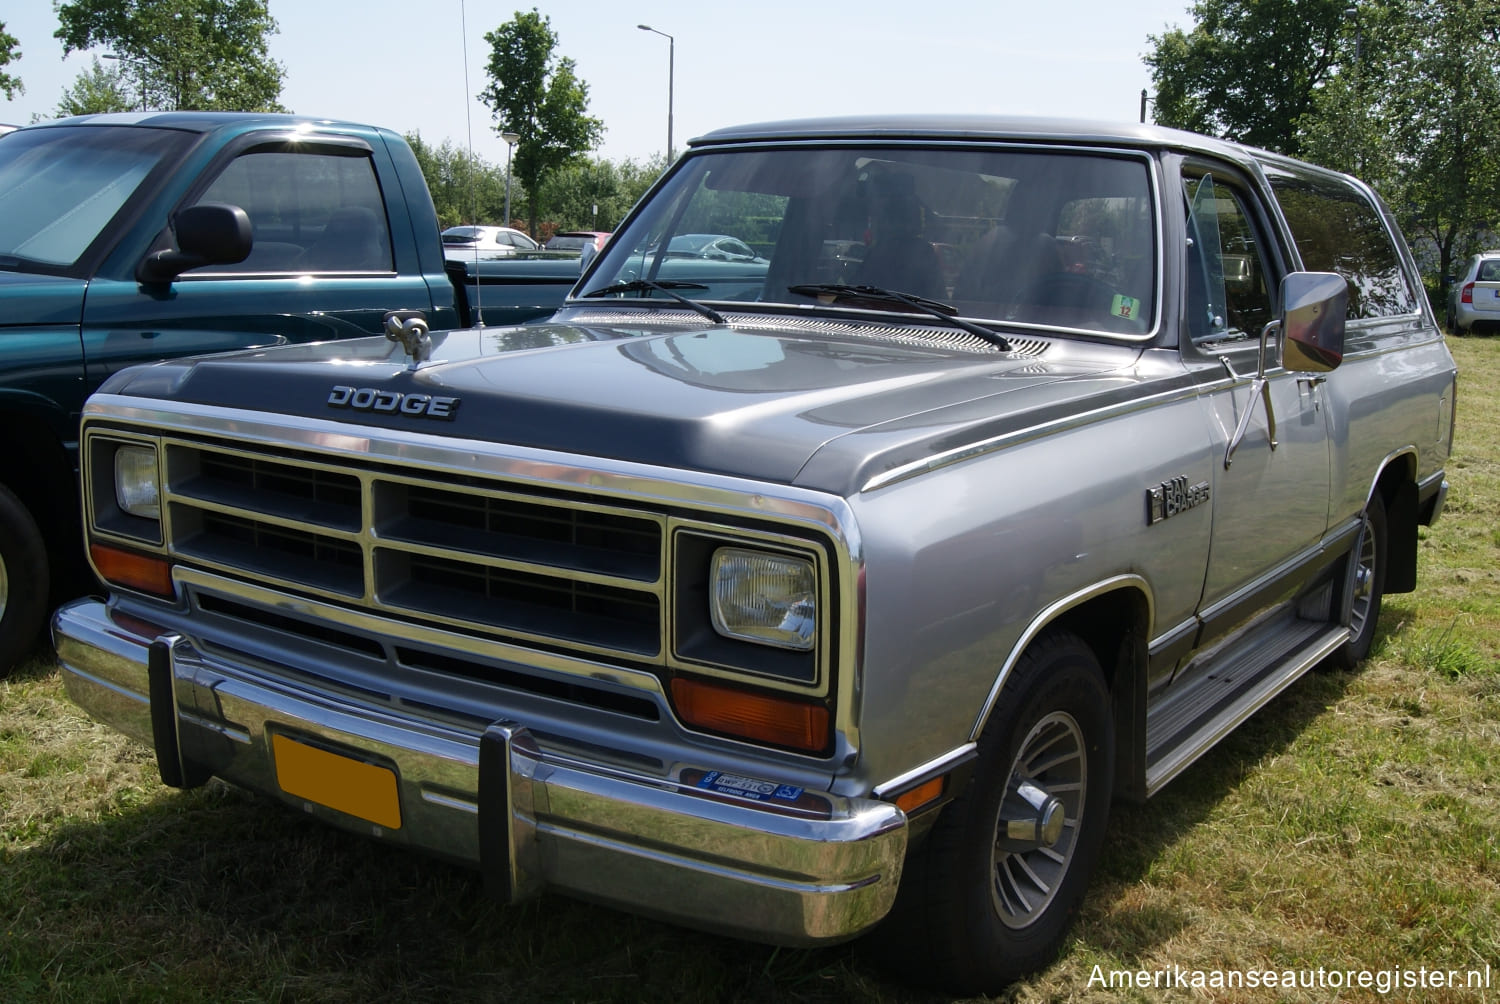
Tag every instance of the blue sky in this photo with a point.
(400, 63)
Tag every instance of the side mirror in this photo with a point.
(208, 234)
(1314, 307)
(1309, 334)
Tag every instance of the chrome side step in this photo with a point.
(1165, 764)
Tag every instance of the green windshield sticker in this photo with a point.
(1125, 306)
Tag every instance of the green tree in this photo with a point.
(1249, 70)
(465, 188)
(10, 52)
(596, 194)
(97, 90)
(183, 54)
(1442, 109)
(537, 95)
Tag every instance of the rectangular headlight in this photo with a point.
(764, 597)
(136, 487)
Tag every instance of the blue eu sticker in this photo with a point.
(748, 787)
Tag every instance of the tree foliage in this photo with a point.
(537, 95)
(183, 54)
(595, 194)
(465, 188)
(97, 90)
(1248, 69)
(10, 51)
(1442, 123)
(1404, 94)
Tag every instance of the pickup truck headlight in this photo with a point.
(763, 597)
(137, 490)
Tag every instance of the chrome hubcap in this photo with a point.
(1037, 830)
(1364, 585)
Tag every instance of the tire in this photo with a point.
(980, 907)
(1368, 587)
(24, 581)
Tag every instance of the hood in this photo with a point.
(751, 404)
(32, 299)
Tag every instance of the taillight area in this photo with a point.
(146, 573)
(759, 718)
(1467, 296)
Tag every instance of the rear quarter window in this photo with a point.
(1337, 229)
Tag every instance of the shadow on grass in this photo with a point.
(1141, 834)
(221, 895)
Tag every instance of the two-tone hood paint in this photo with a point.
(755, 405)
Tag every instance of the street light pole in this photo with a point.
(510, 142)
(671, 70)
(139, 72)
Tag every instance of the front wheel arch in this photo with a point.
(991, 893)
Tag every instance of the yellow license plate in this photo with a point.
(338, 782)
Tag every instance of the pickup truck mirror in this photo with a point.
(1309, 334)
(211, 233)
(1314, 305)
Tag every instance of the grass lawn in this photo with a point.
(1352, 825)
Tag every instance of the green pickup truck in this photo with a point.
(129, 238)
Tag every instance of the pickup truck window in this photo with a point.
(311, 212)
(60, 188)
(1061, 239)
(1229, 257)
(1338, 230)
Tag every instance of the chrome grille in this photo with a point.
(500, 558)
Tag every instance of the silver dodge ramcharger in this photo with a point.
(774, 593)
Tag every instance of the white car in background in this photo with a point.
(468, 242)
(1474, 300)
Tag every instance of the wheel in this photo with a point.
(989, 896)
(1366, 588)
(24, 581)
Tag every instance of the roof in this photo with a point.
(198, 121)
(991, 128)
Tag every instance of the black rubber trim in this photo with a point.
(164, 714)
(494, 814)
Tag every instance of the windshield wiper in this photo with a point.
(878, 298)
(666, 286)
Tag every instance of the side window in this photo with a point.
(1338, 230)
(1229, 286)
(311, 212)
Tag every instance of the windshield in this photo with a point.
(1021, 236)
(60, 188)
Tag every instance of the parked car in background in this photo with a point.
(575, 240)
(1474, 299)
(466, 243)
(717, 247)
(129, 238)
(772, 599)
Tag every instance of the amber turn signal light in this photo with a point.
(134, 571)
(923, 794)
(761, 718)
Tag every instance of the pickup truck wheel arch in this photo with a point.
(990, 894)
(24, 581)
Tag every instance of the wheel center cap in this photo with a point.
(1043, 826)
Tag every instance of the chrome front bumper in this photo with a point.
(529, 819)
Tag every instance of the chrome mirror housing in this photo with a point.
(1314, 306)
